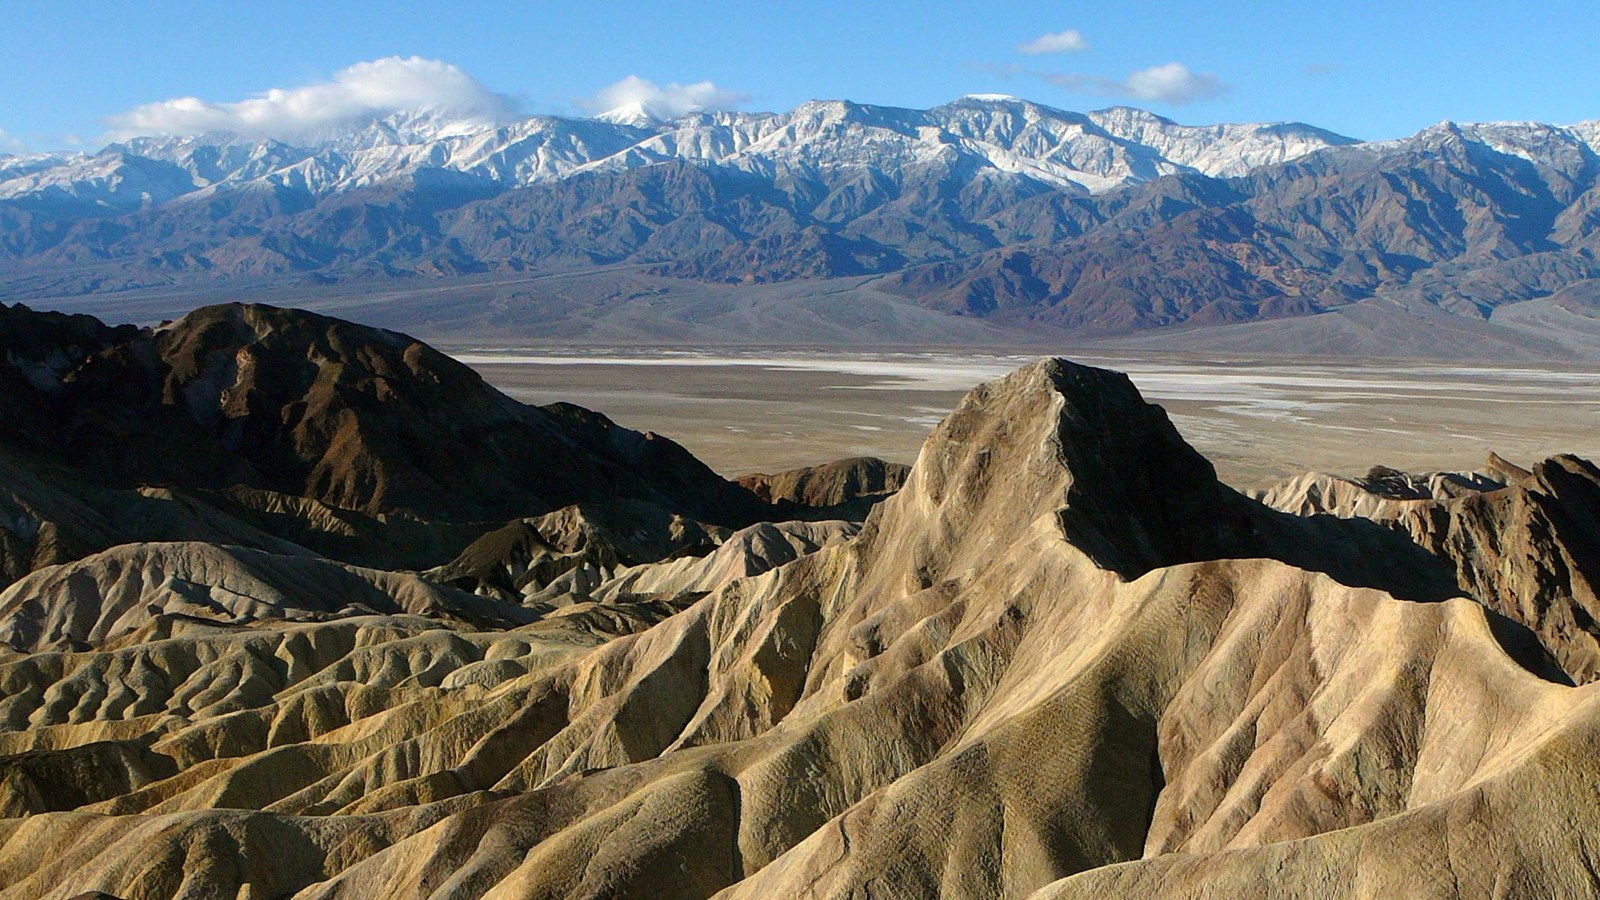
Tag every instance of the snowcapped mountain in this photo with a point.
(980, 136)
(988, 206)
(1069, 151)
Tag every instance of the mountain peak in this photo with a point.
(636, 114)
(404, 128)
(1130, 113)
(1077, 444)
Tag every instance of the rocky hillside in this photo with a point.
(1526, 542)
(296, 403)
(287, 431)
(1062, 660)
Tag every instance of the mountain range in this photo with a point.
(989, 208)
(1074, 152)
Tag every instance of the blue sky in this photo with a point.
(76, 70)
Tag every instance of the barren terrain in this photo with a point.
(1257, 419)
(294, 607)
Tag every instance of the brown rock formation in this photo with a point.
(846, 484)
(354, 417)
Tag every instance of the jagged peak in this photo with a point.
(1071, 442)
(1014, 134)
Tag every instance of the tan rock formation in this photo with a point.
(1062, 660)
(1527, 545)
(845, 488)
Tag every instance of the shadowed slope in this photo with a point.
(352, 416)
(845, 488)
(280, 427)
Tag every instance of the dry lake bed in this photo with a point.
(1258, 420)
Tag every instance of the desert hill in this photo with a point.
(291, 432)
(314, 407)
(1061, 659)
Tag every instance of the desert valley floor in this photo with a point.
(1257, 419)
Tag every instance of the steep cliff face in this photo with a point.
(1062, 658)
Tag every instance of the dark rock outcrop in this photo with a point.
(1525, 543)
(843, 489)
(306, 427)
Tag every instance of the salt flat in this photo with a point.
(1257, 419)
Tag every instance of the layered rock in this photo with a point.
(526, 556)
(845, 488)
(110, 596)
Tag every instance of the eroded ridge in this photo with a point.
(1061, 660)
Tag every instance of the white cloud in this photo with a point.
(11, 144)
(365, 89)
(662, 101)
(1172, 83)
(1069, 41)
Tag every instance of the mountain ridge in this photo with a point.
(541, 148)
(1105, 223)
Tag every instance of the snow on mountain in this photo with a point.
(994, 134)
(636, 114)
(1000, 134)
(114, 178)
(1567, 148)
(1216, 150)
(13, 167)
